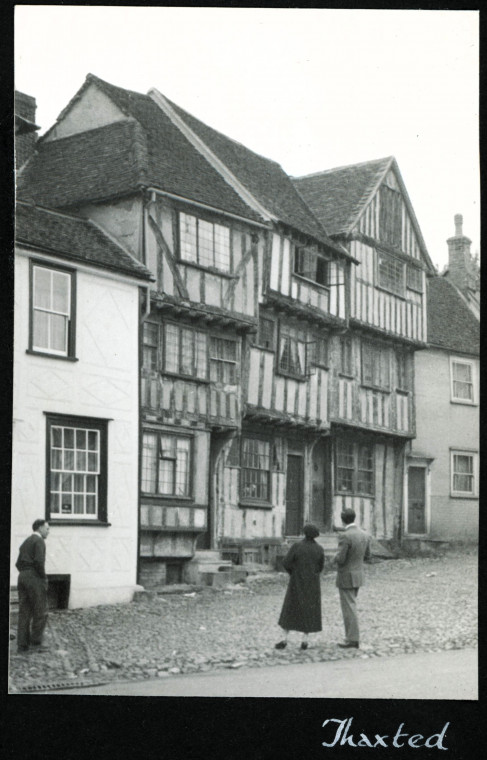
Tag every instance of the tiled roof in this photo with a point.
(265, 179)
(337, 196)
(149, 149)
(92, 165)
(73, 238)
(451, 324)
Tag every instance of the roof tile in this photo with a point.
(451, 324)
(75, 239)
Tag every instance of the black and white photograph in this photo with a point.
(245, 419)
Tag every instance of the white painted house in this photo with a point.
(78, 302)
(442, 483)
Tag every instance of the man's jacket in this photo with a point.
(353, 549)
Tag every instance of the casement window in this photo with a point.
(402, 379)
(464, 473)
(390, 216)
(204, 243)
(184, 351)
(166, 461)
(390, 273)
(255, 472)
(310, 265)
(223, 360)
(150, 347)
(375, 365)
(52, 311)
(414, 279)
(266, 333)
(76, 468)
(292, 351)
(354, 467)
(462, 381)
(346, 363)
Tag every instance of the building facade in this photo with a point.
(75, 439)
(442, 486)
(277, 355)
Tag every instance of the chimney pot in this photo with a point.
(458, 225)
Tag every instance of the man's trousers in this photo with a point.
(348, 602)
(32, 609)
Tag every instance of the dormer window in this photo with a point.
(203, 242)
(310, 265)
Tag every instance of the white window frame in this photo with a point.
(52, 312)
(78, 470)
(472, 364)
(473, 494)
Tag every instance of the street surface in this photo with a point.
(408, 607)
(435, 675)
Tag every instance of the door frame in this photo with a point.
(423, 463)
(299, 454)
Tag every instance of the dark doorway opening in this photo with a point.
(58, 592)
(294, 495)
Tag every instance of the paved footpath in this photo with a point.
(428, 675)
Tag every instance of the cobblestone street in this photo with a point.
(406, 606)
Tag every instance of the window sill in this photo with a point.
(355, 493)
(299, 378)
(190, 378)
(254, 504)
(264, 348)
(210, 270)
(346, 376)
(403, 392)
(375, 388)
(402, 296)
(163, 499)
(463, 496)
(47, 355)
(86, 523)
(464, 402)
(315, 284)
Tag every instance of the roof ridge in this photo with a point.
(201, 145)
(345, 166)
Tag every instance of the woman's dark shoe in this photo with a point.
(304, 645)
(281, 645)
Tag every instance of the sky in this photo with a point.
(312, 89)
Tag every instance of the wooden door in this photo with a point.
(294, 495)
(320, 508)
(417, 500)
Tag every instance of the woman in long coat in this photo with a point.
(301, 609)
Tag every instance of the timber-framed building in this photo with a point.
(276, 351)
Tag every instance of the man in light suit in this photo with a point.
(353, 549)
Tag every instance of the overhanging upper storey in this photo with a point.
(366, 207)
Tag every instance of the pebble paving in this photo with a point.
(407, 605)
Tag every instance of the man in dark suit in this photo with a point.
(32, 589)
(353, 549)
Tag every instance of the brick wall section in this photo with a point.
(152, 574)
(25, 106)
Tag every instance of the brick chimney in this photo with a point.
(25, 127)
(460, 263)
